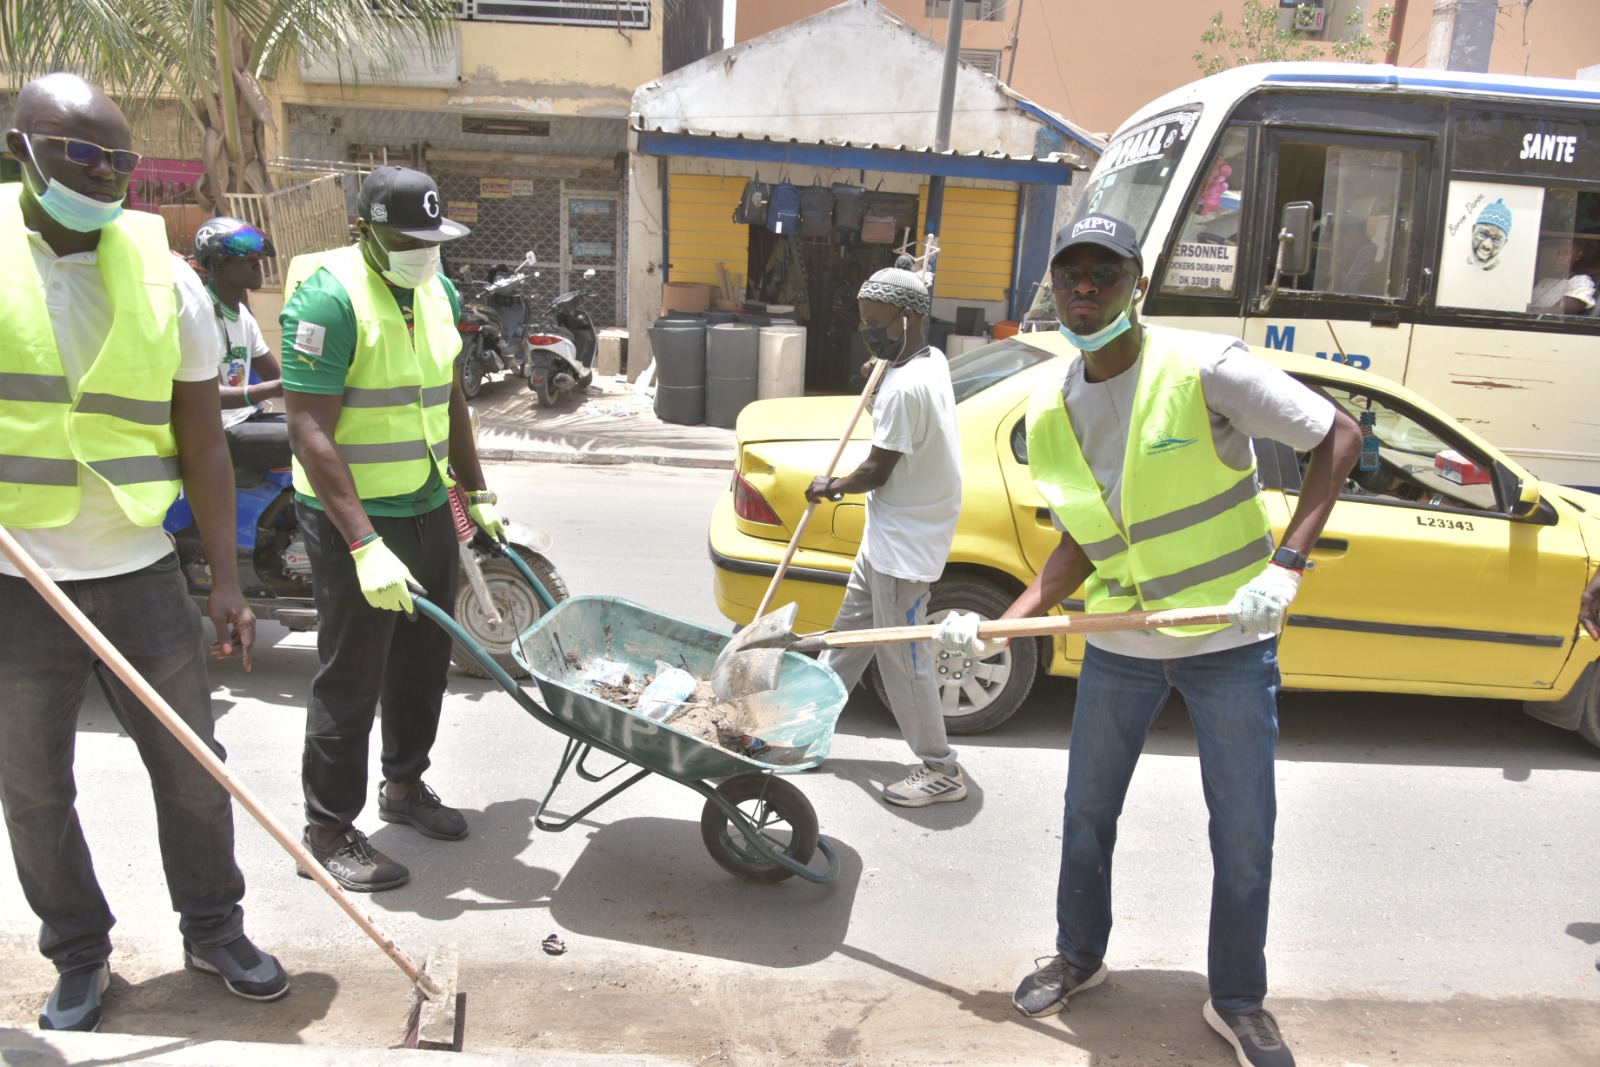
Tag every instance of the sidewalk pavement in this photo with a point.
(44, 1048)
(613, 423)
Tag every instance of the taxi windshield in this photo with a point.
(975, 370)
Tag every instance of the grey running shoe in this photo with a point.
(356, 865)
(74, 1003)
(423, 809)
(244, 969)
(1254, 1036)
(925, 786)
(1045, 991)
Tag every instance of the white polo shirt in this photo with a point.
(101, 541)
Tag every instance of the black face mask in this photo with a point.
(881, 345)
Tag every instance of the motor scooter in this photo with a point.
(493, 316)
(275, 569)
(561, 348)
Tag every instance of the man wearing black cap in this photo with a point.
(1143, 454)
(377, 426)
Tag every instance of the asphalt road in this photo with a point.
(1435, 901)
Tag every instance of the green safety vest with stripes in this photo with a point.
(118, 421)
(395, 423)
(1193, 530)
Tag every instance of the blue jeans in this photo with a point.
(1233, 700)
(148, 616)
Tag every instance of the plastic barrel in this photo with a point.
(679, 346)
(782, 365)
(732, 360)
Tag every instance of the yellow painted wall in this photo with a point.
(700, 227)
(977, 247)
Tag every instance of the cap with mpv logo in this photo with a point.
(1102, 230)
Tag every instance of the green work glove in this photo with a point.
(383, 577)
(480, 505)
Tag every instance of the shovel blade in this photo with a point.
(752, 659)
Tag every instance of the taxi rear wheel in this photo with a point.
(978, 695)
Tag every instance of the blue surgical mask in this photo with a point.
(1094, 342)
(70, 208)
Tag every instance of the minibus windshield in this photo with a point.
(1136, 168)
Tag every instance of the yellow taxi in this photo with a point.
(1445, 568)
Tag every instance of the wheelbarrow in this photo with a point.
(757, 826)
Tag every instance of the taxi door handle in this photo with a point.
(1334, 547)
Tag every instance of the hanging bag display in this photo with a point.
(752, 209)
(847, 202)
(816, 210)
(783, 213)
(877, 224)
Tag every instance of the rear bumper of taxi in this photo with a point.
(742, 567)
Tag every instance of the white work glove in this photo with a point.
(481, 508)
(958, 632)
(383, 577)
(1260, 606)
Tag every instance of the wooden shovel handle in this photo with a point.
(197, 748)
(1036, 627)
(805, 520)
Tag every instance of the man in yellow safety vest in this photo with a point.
(1143, 454)
(376, 424)
(108, 405)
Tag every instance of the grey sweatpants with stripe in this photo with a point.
(874, 599)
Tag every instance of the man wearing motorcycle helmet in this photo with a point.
(376, 415)
(229, 251)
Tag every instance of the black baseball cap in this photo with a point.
(1102, 230)
(406, 201)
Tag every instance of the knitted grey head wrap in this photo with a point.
(900, 286)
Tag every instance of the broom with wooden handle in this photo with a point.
(425, 987)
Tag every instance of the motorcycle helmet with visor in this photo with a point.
(226, 236)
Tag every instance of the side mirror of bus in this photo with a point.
(1294, 248)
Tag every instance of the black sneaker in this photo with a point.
(244, 969)
(1045, 991)
(355, 864)
(74, 1003)
(423, 809)
(1255, 1037)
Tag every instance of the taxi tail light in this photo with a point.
(750, 505)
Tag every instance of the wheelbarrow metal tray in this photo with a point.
(564, 642)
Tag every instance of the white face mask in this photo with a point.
(410, 268)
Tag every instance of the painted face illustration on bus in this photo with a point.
(1490, 232)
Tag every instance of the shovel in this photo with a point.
(752, 661)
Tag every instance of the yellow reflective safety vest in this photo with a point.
(1192, 530)
(117, 422)
(395, 424)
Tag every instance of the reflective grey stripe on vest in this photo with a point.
(1100, 551)
(143, 412)
(1193, 515)
(1173, 584)
(137, 469)
(441, 449)
(1116, 588)
(393, 397)
(38, 388)
(394, 452)
(396, 396)
(31, 470)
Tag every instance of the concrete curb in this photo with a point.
(604, 459)
(44, 1048)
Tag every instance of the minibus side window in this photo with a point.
(1204, 257)
(1364, 198)
(1520, 248)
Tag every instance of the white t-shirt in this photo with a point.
(241, 342)
(1548, 293)
(1246, 398)
(101, 541)
(911, 518)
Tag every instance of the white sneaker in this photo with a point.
(926, 786)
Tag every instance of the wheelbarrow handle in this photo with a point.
(501, 549)
(1036, 627)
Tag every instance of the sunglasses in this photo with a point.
(1099, 276)
(87, 153)
(244, 242)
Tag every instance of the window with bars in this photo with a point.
(985, 59)
(980, 10)
(608, 14)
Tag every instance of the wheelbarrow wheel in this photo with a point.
(779, 812)
(518, 605)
